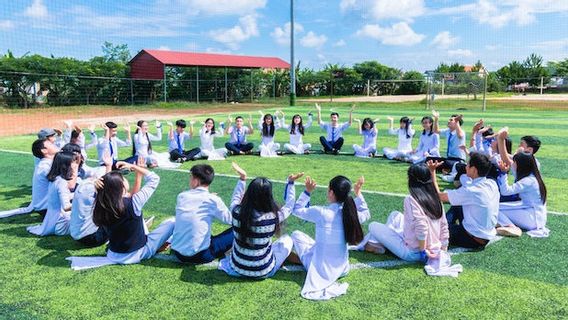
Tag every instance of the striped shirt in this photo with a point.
(253, 257)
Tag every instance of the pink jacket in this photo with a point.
(418, 226)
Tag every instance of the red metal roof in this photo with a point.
(175, 58)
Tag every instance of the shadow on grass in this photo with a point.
(25, 219)
(59, 243)
(17, 192)
(213, 277)
(55, 259)
(19, 232)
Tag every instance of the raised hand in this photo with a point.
(310, 184)
(295, 176)
(318, 107)
(358, 186)
(503, 166)
(141, 162)
(124, 165)
(435, 114)
(170, 124)
(242, 173)
(92, 127)
(389, 118)
(503, 133)
(68, 123)
(158, 124)
(433, 165)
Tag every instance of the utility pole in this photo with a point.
(292, 62)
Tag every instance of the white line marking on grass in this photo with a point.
(382, 193)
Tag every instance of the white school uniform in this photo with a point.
(81, 141)
(326, 259)
(195, 211)
(105, 146)
(529, 213)
(208, 148)
(404, 143)
(238, 135)
(173, 141)
(479, 199)
(142, 142)
(268, 147)
(369, 143)
(454, 143)
(429, 146)
(56, 221)
(81, 221)
(296, 144)
(334, 133)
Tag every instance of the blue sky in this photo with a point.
(407, 34)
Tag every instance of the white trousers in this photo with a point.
(364, 152)
(391, 153)
(269, 150)
(215, 154)
(297, 149)
(515, 213)
(15, 212)
(393, 241)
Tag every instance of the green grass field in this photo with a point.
(513, 278)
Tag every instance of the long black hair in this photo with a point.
(62, 166)
(341, 187)
(267, 131)
(109, 205)
(370, 122)
(431, 124)
(423, 191)
(212, 132)
(300, 125)
(526, 165)
(408, 122)
(257, 200)
(75, 149)
(139, 125)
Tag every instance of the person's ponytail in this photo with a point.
(351, 227)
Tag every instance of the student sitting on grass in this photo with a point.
(207, 135)
(455, 137)
(63, 179)
(81, 225)
(405, 132)
(74, 134)
(369, 132)
(195, 211)
(110, 142)
(256, 219)
(119, 213)
(238, 144)
(333, 142)
(339, 223)
(296, 130)
(45, 151)
(530, 213)
(142, 146)
(429, 145)
(475, 205)
(424, 228)
(268, 126)
(177, 142)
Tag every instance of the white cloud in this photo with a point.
(6, 25)
(232, 37)
(165, 48)
(400, 34)
(444, 40)
(312, 40)
(460, 53)
(36, 10)
(340, 43)
(386, 9)
(223, 7)
(281, 35)
(219, 51)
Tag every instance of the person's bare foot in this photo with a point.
(164, 247)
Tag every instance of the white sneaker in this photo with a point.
(448, 178)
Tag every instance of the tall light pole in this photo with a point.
(292, 63)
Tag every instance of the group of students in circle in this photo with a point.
(97, 205)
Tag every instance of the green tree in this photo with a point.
(414, 83)
(114, 53)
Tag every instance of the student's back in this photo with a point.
(126, 234)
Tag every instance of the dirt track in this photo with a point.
(410, 98)
(30, 121)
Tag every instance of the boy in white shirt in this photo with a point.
(475, 205)
(238, 144)
(333, 142)
(177, 140)
(110, 142)
(195, 210)
(455, 137)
